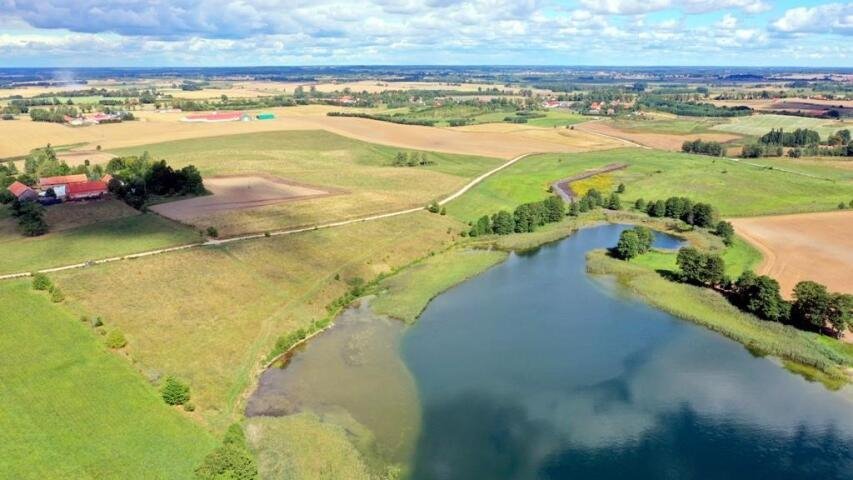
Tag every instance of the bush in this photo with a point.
(174, 392)
(115, 339)
(231, 460)
(41, 282)
(189, 407)
(56, 295)
(700, 268)
(212, 232)
(97, 322)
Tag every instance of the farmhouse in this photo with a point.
(216, 117)
(86, 190)
(61, 181)
(22, 192)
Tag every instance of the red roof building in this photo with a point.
(46, 182)
(83, 190)
(22, 192)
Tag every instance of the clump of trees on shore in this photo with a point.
(526, 218)
(699, 214)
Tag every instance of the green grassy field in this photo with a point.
(211, 315)
(739, 257)
(405, 295)
(361, 170)
(736, 189)
(666, 124)
(96, 240)
(557, 118)
(69, 408)
(757, 125)
(708, 308)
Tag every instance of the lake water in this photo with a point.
(535, 370)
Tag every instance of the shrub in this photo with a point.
(189, 407)
(41, 282)
(228, 462)
(212, 232)
(175, 392)
(115, 339)
(56, 295)
(97, 322)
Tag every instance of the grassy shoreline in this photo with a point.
(709, 309)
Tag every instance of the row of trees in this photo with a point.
(526, 218)
(593, 199)
(798, 138)
(697, 214)
(691, 109)
(814, 308)
(135, 179)
(715, 149)
(55, 115)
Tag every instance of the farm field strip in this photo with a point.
(214, 242)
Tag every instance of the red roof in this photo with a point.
(49, 181)
(106, 178)
(216, 116)
(18, 188)
(95, 186)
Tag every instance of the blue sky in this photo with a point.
(338, 32)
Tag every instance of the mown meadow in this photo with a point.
(734, 188)
(70, 408)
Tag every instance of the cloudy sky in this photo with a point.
(335, 32)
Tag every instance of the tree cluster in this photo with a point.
(697, 214)
(412, 159)
(231, 460)
(714, 149)
(55, 115)
(526, 218)
(700, 268)
(30, 216)
(633, 242)
(137, 178)
(691, 109)
(798, 138)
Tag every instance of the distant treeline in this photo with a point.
(386, 118)
(715, 149)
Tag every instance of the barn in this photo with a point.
(22, 192)
(86, 190)
(60, 184)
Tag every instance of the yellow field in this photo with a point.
(210, 315)
(18, 137)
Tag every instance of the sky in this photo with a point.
(131, 33)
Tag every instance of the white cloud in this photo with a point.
(634, 7)
(829, 18)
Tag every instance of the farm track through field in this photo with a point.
(563, 187)
(240, 238)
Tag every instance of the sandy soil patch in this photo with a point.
(237, 193)
(815, 246)
(660, 141)
(20, 136)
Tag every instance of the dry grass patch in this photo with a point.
(210, 315)
(659, 141)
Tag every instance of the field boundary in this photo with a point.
(277, 233)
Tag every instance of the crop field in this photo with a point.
(362, 174)
(239, 192)
(155, 127)
(670, 124)
(735, 189)
(757, 125)
(87, 231)
(72, 409)
(211, 314)
(658, 135)
(815, 247)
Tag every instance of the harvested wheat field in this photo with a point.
(76, 157)
(813, 246)
(660, 141)
(237, 193)
(21, 136)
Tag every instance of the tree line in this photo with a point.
(525, 218)
(698, 214)
(714, 149)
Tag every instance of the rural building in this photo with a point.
(93, 119)
(265, 116)
(86, 190)
(61, 181)
(22, 192)
(216, 117)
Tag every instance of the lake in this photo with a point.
(535, 369)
